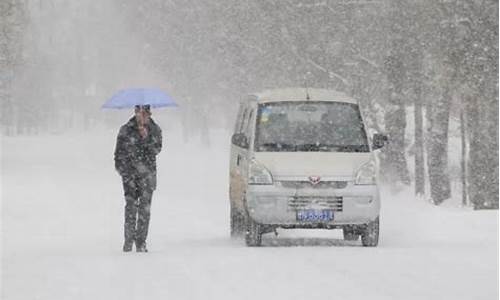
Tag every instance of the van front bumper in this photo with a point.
(276, 205)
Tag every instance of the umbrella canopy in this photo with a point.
(142, 96)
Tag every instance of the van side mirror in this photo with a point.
(240, 140)
(379, 141)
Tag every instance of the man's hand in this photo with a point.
(142, 120)
(143, 131)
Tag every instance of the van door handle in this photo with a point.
(238, 159)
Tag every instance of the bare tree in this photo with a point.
(480, 68)
(12, 19)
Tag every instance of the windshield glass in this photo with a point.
(310, 126)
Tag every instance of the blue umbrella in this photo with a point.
(131, 97)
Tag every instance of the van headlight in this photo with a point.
(258, 174)
(366, 174)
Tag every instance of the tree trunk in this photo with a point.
(395, 159)
(437, 149)
(419, 145)
(463, 159)
(483, 152)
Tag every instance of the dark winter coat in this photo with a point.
(135, 157)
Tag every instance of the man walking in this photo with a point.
(138, 143)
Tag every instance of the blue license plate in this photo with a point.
(314, 215)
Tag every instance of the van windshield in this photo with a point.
(292, 126)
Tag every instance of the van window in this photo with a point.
(296, 126)
(248, 124)
(244, 120)
(237, 123)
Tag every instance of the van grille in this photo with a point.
(305, 202)
(319, 185)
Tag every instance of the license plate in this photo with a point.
(314, 215)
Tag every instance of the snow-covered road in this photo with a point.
(62, 220)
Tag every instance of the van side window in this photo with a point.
(244, 120)
(239, 120)
(248, 127)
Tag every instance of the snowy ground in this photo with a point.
(62, 212)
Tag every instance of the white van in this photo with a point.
(301, 159)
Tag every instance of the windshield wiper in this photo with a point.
(276, 146)
(307, 147)
(312, 147)
(350, 148)
(332, 148)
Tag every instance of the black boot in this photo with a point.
(127, 246)
(141, 247)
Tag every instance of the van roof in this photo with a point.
(300, 94)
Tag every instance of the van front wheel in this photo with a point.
(237, 223)
(370, 233)
(253, 235)
(350, 234)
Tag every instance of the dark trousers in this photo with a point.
(138, 196)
